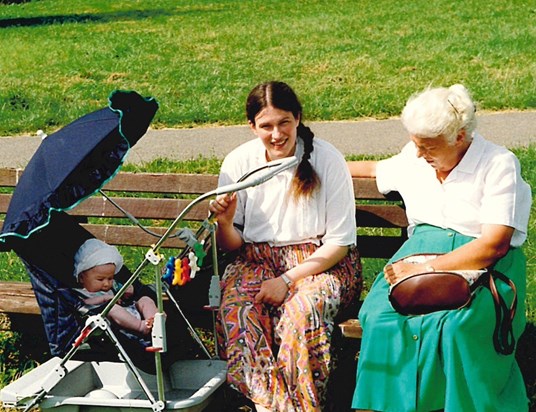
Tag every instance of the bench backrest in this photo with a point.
(157, 199)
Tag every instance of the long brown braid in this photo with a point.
(281, 96)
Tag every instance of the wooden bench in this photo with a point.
(160, 198)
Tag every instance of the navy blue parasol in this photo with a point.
(76, 161)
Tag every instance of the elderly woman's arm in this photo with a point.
(362, 168)
(480, 253)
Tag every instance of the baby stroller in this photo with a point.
(46, 239)
(69, 166)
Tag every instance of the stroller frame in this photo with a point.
(99, 322)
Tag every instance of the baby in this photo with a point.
(95, 265)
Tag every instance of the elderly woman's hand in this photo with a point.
(400, 270)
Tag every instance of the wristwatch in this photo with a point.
(287, 280)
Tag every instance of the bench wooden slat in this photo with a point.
(365, 188)
(162, 183)
(149, 208)
(383, 216)
(130, 235)
(140, 182)
(9, 176)
(4, 202)
(18, 297)
(141, 208)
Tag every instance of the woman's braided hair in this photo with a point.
(280, 96)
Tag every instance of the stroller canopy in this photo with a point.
(76, 161)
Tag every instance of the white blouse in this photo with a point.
(267, 212)
(484, 188)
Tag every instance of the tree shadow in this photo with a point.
(14, 1)
(90, 17)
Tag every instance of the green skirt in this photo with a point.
(443, 360)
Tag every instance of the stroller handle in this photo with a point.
(272, 168)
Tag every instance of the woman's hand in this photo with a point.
(273, 291)
(224, 208)
(480, 253)
(400, 270)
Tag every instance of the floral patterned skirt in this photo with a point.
(279, 357)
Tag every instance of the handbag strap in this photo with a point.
(503, 335)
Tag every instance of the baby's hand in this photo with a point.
(128, 293)
(127, 297)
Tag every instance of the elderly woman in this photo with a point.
(467, 203)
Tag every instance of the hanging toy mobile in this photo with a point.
(180, 270)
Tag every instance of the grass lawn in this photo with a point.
(59, 59)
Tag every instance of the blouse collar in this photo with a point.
(472, 156)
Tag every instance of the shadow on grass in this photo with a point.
(14, 1)
(526, 357)
(91, 17)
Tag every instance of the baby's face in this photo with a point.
(99, 278)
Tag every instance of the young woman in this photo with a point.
(297, 263)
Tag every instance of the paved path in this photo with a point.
(509, 129)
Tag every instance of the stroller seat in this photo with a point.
(48, 256)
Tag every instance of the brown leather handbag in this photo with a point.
(428, 292)
(432, 291)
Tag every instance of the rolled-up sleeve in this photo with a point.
(340, 204)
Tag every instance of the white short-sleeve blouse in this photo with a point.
(486, 187)
(267, 213)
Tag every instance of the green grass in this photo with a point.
(12, 363)
(526, 157)
(59, 59)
